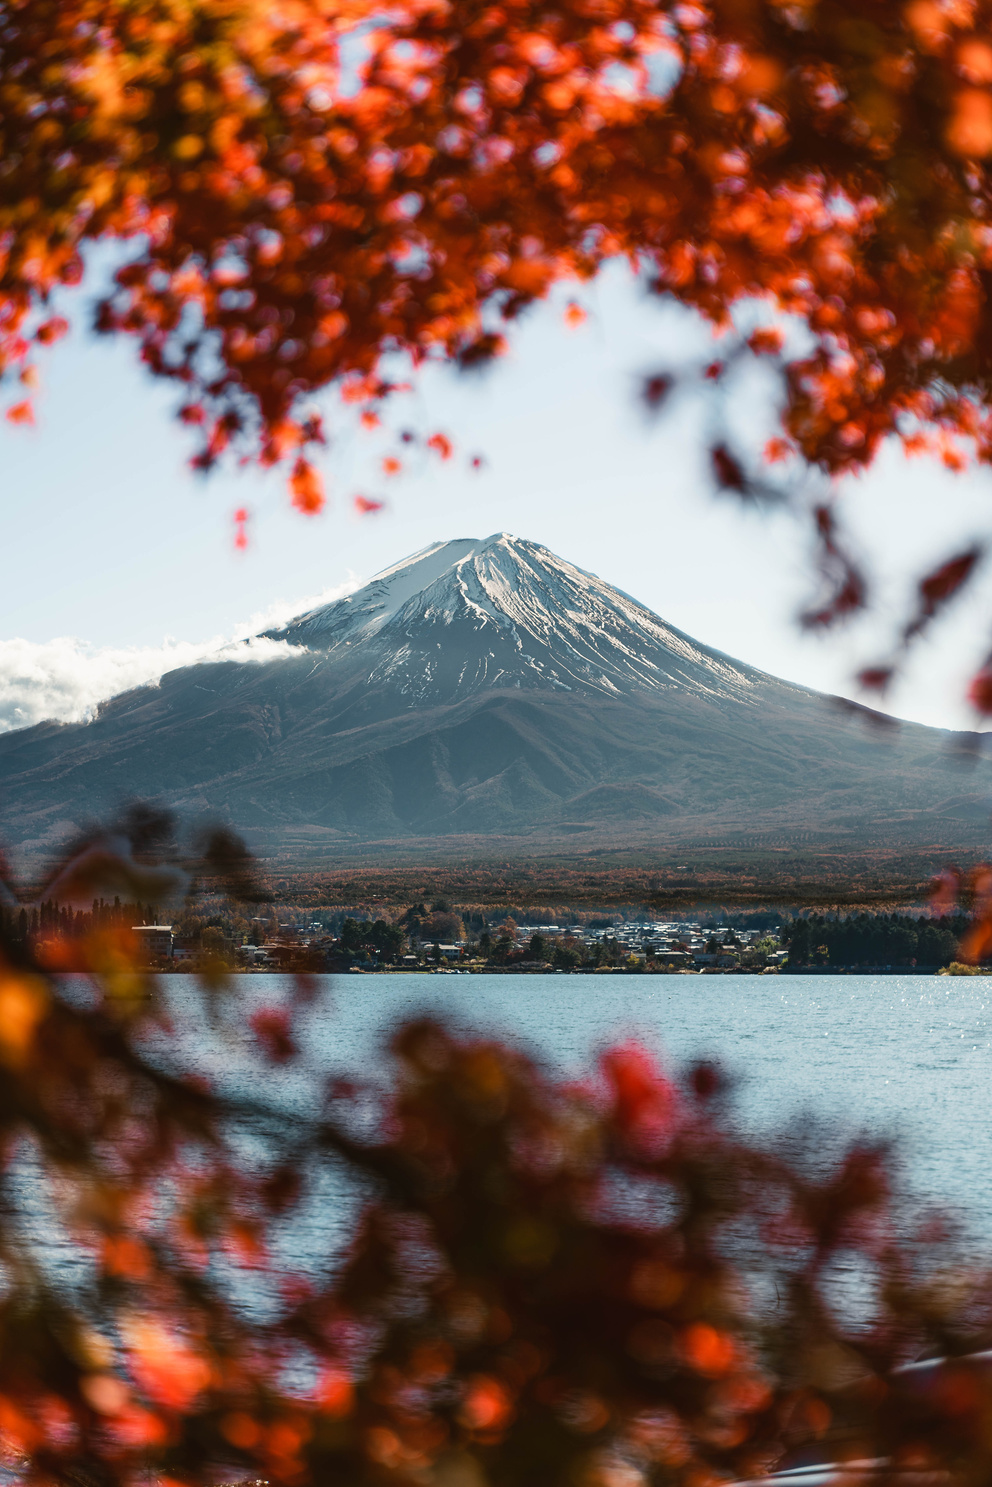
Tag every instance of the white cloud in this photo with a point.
(66, 679)
(281, 611)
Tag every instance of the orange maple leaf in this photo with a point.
(306, 488)
(51, 330)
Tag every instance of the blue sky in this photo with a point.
(108, 539)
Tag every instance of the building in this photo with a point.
(155, 940)
(428, 949)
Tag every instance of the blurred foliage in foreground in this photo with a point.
(599, 1284)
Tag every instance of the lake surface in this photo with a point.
(908, 1056)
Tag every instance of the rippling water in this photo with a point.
(902, 1056)
(908, 1056)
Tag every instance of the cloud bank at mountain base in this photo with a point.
(65, 679)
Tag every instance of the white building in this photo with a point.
(154, 939)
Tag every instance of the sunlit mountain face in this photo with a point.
(463, 616)
(490, 695)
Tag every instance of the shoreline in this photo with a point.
(932, 971)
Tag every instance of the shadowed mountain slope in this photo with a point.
(489, 692)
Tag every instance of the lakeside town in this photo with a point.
(508, 945)
(444, 938)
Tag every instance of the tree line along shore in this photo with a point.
(443, 936)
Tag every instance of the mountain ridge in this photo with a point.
(485, 691)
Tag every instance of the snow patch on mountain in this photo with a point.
(466, 614)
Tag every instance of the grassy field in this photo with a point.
(716, 876)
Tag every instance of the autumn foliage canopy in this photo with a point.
(325, 194)
(308, 187)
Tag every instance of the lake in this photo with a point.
(908, 1056)
(902, 1056)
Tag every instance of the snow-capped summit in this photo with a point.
(364, 612)
(501, 611)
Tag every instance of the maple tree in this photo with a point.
(315, 193)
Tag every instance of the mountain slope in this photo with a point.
(493, 695)
(462, 616)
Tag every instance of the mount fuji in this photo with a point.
(489, 697)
